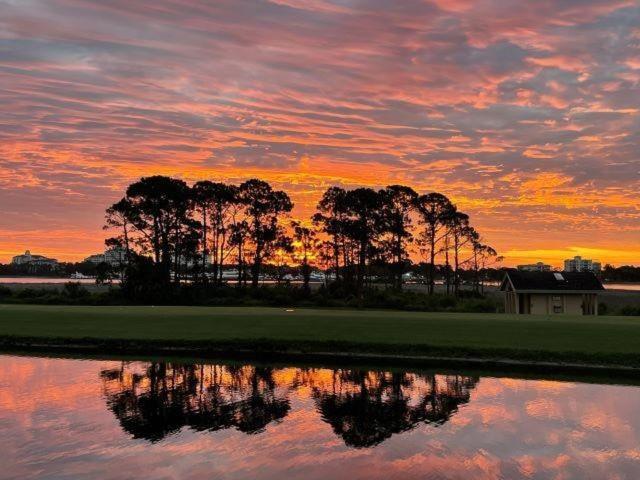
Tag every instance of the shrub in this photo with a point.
(603, 308)
(630, 310)
(74, 290)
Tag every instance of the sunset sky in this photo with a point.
(525, 113)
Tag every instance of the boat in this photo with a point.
(79, 276)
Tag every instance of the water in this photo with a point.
(94, 419)
(46, 280)
(634, 287)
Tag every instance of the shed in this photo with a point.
(551, 293)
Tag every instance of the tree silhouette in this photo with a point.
(398, 203)
(156, 213)
(308, 245)
(363, 235)
(217, 203)
(435, 209)
(263, 208)
(461, 234)
(331, 216)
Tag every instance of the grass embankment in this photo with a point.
(608, 341)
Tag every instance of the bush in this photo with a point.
(630, 310)
(74, 290)
(603, 308)
(34, 293)
(5, 291)
(284, 295)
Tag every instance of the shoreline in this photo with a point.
(515, 360)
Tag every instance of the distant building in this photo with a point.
(33, 260)
(113, 256)
(579, 264)
(535, 267)
(551, 293)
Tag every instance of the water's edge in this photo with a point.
(312, 353)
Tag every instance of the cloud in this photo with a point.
(457, 96)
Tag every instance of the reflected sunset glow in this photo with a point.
(87, 418)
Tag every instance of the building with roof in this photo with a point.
(535, 267)
(551, 293)
(33, 260)
(579, 264)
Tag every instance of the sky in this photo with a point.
(525, 113)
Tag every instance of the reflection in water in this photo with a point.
(163, 398)
(113, 420)
(364, 408)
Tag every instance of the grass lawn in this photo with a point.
(602, 340)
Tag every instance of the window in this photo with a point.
(557, 309)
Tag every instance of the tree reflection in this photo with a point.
(163, 398)
(366, 408)
(153, 400)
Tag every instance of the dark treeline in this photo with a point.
(62, 269)
(625, 273)
(172, 232)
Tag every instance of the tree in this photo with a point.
(239, 233)
(483, 256)
(156, 211)
(435, 210)
(215, 202)
(461, 234)
(104, 273)
(331, 217)
(119, 216)
(263, 206)
(309, 245)
(398, 202)
(363, 224)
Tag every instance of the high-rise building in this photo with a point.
(113, 256)
(579, 264)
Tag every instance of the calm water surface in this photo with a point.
(88, 419)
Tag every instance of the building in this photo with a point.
(113, 256)
(535, 267)
(579, 264)
(33, 261)
(551, 293)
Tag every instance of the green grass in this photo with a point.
(587, 340)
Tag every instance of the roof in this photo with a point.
(551, 281)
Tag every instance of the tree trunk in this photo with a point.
(446, 266)
(306, 272)
(456, 260)
(336, 254)
(398, 261)
(432, 261)
(204, 244)
(256, 267)
(240, 264)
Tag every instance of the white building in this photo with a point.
(579, 264)
(33, 260)
(535, 267)
(113, 256)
